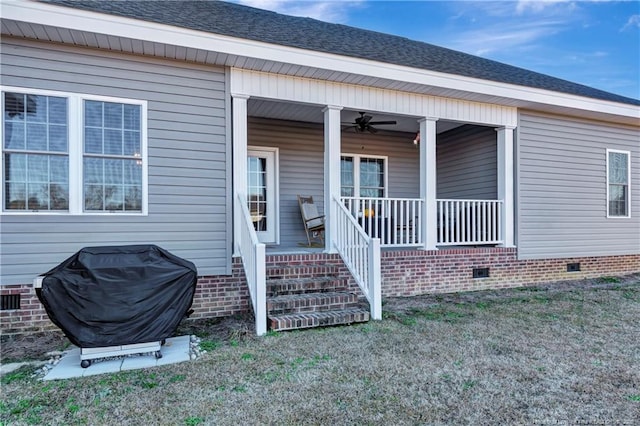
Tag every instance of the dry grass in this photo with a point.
(562, 354)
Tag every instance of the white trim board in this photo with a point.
(320, 92)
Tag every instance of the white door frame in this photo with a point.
(272, 235)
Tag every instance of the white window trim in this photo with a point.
(75, 152)
(628, 154)
(356, 171)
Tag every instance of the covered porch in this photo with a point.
(386, 189)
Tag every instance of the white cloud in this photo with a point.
(633, 22)
(505, 37)
(537, 6)
(328, 11)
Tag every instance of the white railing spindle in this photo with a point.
(469, 222)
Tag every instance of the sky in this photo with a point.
(596, 43)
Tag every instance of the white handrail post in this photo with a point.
(428, 181)
(331, 173)
(375, 280)
(505, 183)
(261, 291)
(239, 129)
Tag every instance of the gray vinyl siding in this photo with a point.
(301, 148)
(467, 163)
(562, 201)
(189, 175)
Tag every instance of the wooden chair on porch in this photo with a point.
(313, 221)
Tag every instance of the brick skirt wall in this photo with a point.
(404, 273)
(414, 272)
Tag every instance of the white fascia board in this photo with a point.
(81, 20)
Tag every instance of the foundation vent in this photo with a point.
(480, 272)
(573, 267)
(9, 302)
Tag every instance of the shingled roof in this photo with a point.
(245, 22)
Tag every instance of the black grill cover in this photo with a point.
(118, 295)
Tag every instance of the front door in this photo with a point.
(262, 192)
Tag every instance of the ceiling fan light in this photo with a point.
(416, 140)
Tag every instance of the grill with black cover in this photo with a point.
(119, 295)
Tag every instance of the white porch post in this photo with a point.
(505, 183)
(239, 119)
(331, 172)
(428, 181)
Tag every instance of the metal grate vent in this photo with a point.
(9, 302)
(480, 272)
(573, 267)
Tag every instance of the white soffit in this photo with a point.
(24, 18)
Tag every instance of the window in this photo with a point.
(35, 146)
(68, 153)
(618, 178)
(363, 176)
(112, 165)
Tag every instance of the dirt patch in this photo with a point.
(29, 347)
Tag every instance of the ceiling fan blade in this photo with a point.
(383, 122)
(372, 129)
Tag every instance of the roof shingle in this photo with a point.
(245, 22)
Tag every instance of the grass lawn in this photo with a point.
(559, 354)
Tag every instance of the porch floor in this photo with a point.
(304, 249)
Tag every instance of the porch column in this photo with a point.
(428, 182)
(505, 183)
(331, 172)
(239, 128)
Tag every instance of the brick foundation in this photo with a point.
(414, 272)
(404, 273)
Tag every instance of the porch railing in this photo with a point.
(395, 221)
(361, 254)
(469, 222)
(252, 252)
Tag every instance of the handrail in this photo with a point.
(469, 222)
(396, 221)
(252, 252)
(361, 255)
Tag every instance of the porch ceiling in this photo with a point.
(313, 114)
(45, 32)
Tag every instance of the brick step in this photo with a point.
(307, 270)
(317, 319)
(283, 287)
(311, 302)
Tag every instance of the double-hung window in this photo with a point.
(363, 176)
(70, 153)
(618, 180)
(36, 153)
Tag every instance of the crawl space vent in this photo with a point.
(10, 302)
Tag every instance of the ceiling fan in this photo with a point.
(364, 123)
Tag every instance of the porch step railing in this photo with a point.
(252, 252)
(397, 222)
(361, 254)
(469, 222)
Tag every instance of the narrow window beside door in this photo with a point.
(618, 178)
